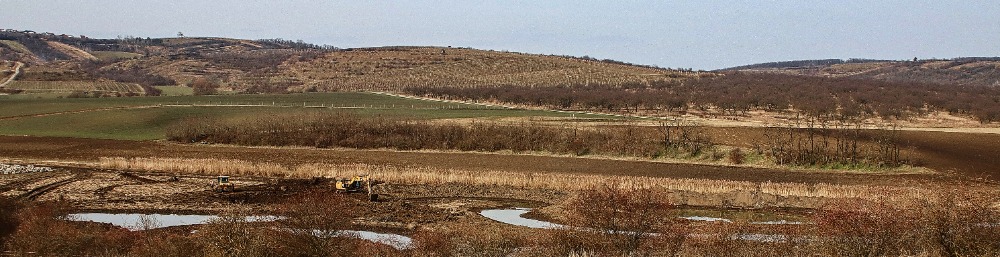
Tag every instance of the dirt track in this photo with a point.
(72, 149)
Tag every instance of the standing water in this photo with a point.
(136, 222)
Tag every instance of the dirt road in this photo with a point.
(17, 71)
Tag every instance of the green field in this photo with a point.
(91, 118)
(175, 90)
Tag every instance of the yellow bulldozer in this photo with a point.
(359, 184)
(222, 184)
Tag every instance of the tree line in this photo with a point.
(739, 93)
(817, 144)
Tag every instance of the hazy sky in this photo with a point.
(706, 34)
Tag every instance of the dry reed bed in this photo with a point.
(570, 182)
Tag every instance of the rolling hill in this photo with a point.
(277, 66)
(970, 71)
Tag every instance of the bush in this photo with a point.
(627, 222)
(233, 235)
(203, 86)
(8, 218)
(44, 230)
(736, 156)
(312, 222)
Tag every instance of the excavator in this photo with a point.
(359, 184)
(222, 184)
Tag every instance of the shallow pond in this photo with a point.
(137, 222)
(513, 217)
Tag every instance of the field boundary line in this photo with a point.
(79, 111)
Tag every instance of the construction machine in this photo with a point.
(358, 184)
(222, 184)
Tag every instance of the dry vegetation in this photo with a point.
(103, 87)
(628, 222)
(965, 71)
(815, 146)
(43, 230)
(737, 94)
(396, 68)
(557, 181)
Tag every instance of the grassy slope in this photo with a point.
(16, 46)
(149, 123)
(380, 69)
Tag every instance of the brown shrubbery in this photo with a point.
(345, 130)
(44, 231)
(615, 220)
(818, 145)
(949, 224)
(8, 219)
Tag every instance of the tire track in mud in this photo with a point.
(14, 185)
(39, 191)
(136, 180)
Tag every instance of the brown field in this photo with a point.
(91, 150)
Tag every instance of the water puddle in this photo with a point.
(709, 219)
(136, 222)
(513, 217)
(394, 240)
(778, 222)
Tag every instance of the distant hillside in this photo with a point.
(275, 65)
(969, 71)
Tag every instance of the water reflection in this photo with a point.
(136, 222)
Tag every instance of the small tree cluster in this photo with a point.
(204, 86)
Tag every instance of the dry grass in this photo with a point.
(70, 86)
(556, 181)
(391, 69)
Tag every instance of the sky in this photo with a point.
(703, 35)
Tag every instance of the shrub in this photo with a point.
(736, 156)
(233, 235)
(45, 231)
(203, 86)
(626, 221)
(313, 221)
(8, 218)
(432, 244)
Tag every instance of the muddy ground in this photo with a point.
(963, 159)
(400, 209)
(399, 206)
